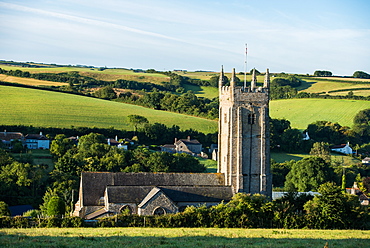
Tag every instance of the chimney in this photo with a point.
(175, 140)
(40, 133)
(188, 138)
(5, 132)
(116, 138)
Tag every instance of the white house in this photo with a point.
(37, 141)
(343, 148)
(366, 160)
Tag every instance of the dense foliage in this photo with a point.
(330, 210)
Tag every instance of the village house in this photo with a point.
(37, 141)
(190, 146)
(364, 199)
(343, 148)
(8, 137)
(366, 161)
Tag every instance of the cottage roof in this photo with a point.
(93, 184)
(36, 136)
(9, 136)
(338, 146)
(367, 159)
(188, 142)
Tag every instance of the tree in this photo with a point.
(321, 150)
(60, 145)
(308, 174)
(362, 117)
(322, 74)
(184, 162)
(87, 141)
(137, 120)
(4, 210)
(291, 140)
(106, 92)
(361, 74)
(333, 209)
(56, 206)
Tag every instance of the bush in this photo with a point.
(72, 222)
(4, 210)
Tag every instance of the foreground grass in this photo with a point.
(21, 106)
(180, 237)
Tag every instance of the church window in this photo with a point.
(225, 118)
(159, 211)
(126, 209)
(251, 119)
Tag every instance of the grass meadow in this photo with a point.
(106, 75)
(202, 91)
(319, 86)
(21, 106)
(181, 237)
(53, 109)
(301, 112)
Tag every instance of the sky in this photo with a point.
(283, 35)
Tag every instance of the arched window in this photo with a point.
(126, 209)
(159, 211)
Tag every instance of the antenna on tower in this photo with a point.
(245, 67)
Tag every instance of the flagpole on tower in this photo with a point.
(245, 67)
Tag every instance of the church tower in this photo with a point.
(244, 138)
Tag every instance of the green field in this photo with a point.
(54, 109)
(21, 106)
(181, 237)
(106, 74)
(301, 112)
(315, 86)
(281, 157)
(202, 91)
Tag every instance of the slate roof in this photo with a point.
(9, 136)
(36, 137)
(93, 184)
(136, 194)
(188, 142)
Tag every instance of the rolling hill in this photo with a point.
(54, 109)
(21, 106)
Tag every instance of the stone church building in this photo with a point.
(243, 165)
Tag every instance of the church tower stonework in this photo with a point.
(244, 138)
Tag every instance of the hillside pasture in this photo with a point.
(181, 237)
(325, 86)
(202, 91)
(301, 112)
(21, 106)
(29, 81)
(105, 75)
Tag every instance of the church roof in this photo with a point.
(137, 194)
(93, 184)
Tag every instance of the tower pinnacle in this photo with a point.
(233, 79)
(266, 83)
(254, 80)
(221, 80)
